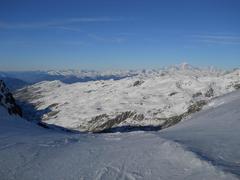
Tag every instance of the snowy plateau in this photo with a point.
(176, 123)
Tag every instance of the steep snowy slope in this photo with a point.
(213, 133)
(153, 98)
(209, 146)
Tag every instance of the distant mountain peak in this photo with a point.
(185, 66)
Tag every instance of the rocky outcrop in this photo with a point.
(138, 83)
(195, 107)
(197, 94)
(7, 100)
(104, 121)
(172, 94)
(209, 93)
(237, 86)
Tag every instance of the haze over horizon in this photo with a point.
(118, 34)
(179, 66)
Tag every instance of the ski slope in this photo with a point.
(202, 147)
(213, 133)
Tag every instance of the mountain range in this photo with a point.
(153, 99)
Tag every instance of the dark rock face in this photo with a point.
(138, 83)
(104, 121)
(7, 100)
(197, 94)
(197, 106)
(210, 92)
(237, 86)
(172, 94)
(172, 121)
(14, 83)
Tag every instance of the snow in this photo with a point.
(68, 75)
(203, 147)
(213, 133)
(161, 94)
(91, 73)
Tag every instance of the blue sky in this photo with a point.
(113, 34)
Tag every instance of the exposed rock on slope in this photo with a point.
(7, 100)
(13, 83)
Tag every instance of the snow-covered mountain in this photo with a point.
(203, 147)
(153, 99)
(66, 76)
(19, 79)
(93, 73)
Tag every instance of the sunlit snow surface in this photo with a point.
(154, 95)
(204, 147)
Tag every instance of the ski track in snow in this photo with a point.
(129, 156)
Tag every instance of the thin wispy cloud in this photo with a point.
(76, 43)
(67, 28)
(70, 24)
(54, 23)
(27, 43)
(105, 39)
(217, 39)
